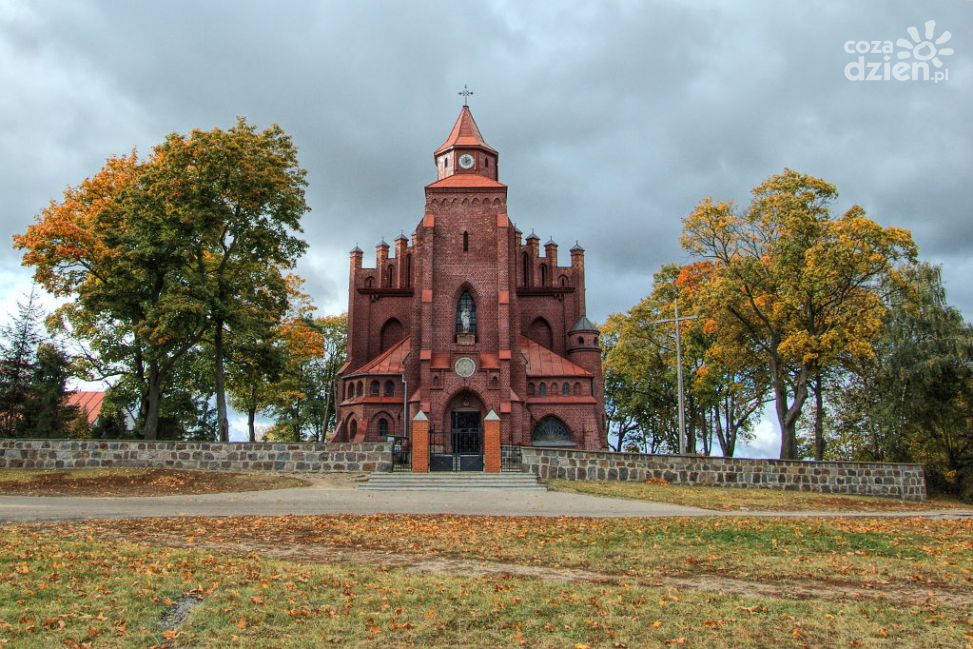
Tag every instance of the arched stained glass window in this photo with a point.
(551, 431)
(466, 314)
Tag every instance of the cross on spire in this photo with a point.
(466, 92)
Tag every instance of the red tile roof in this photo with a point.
(541, 361)
(465, 180)
(391, 361)
(88, 403)
(465, 133)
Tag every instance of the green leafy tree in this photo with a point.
(244, 192)
(45, 412)
(914, 400)
(19, 340)
(302, 399)
(256, 359)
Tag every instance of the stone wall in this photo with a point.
(906, 481)
(261, 456)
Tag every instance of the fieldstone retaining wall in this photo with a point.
(261, 456)
(906, 481)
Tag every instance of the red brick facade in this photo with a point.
(467, 317)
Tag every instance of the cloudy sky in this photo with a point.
(612, 119)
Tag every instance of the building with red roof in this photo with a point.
(88, 403)
(467, 317)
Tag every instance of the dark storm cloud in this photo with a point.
(612, 120)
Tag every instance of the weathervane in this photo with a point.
(466, 92)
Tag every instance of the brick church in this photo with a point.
(466, 321)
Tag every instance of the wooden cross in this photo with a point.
(466, 92)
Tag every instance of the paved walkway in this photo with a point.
(342, 498)
(324, 498)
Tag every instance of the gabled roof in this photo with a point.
(88, 403)
(391, 361)
(465, 133)
(541, 361)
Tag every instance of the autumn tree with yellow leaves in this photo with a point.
(723, 400)
(787, 282)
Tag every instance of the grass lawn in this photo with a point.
(135, 482)
(764, 500)
(438, 581)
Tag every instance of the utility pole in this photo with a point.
(682, 399)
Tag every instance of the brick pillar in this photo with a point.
(420, 443)
(491, 443)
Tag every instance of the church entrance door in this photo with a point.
(461, 449)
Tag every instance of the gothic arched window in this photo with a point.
(543, 274)
(391, 276)
(383, 427)
(389, 388)
(542, 389)
(373, 389)
(466, 314)
(526, 269)
(466, 241)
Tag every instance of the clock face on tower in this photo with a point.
(466, 161)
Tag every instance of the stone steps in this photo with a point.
(451, 481)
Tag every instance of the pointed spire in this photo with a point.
(533, 236)
(382, 244)
(355, 250)
(577, 247)
(401, 237)
(551, 242)
(465, 133)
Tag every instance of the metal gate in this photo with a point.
(461, 449)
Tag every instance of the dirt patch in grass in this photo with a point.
(757, 500)
(796, 589)
(136, 482)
